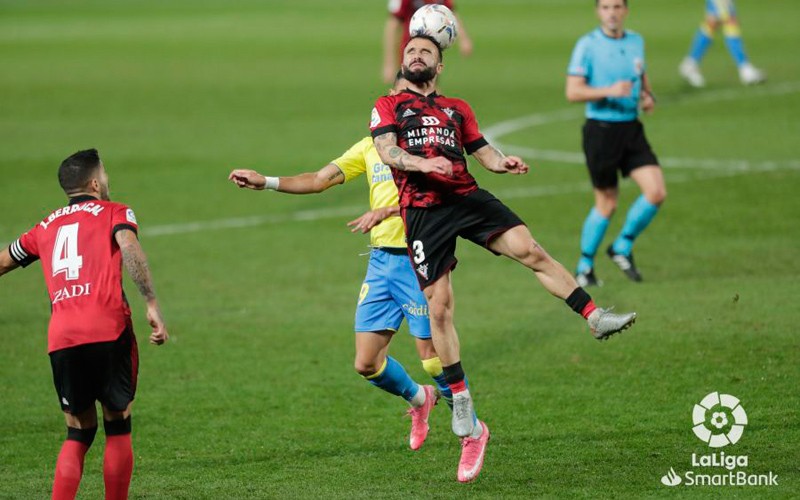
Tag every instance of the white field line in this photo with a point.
(702, 168)
(355, 210)
(498, 130)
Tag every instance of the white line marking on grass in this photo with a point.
(498, 130)
(353, 210)
(703, 169)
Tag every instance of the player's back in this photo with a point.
(82, 266)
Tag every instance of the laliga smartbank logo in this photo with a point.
(719, 420)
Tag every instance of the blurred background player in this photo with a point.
(90, 340)
(423, 136)
(396, 36)
(719, 12)
(389, 292)
(607, 72)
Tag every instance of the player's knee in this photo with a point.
(533, 256)
(366, 367)
(656, 196)
(709, 26)
(440, 310)
(117, 427)
(731, 29)
(85, 435)
(606, 207)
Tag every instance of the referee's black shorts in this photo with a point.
(613, 146)
(102, 371)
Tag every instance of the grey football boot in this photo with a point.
(463, 414)
(604, 323)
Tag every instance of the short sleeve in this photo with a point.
(580, 63)
(471, 135)
(122, 217)
(25, 250)
(382, 120)
(353, 162)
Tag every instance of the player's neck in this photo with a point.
(611, 33)
(82, 194)
(425, 89)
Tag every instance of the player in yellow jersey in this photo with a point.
(390, 292)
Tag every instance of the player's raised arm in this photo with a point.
(310, 182)
(580, 91)
(396, 157)
(495, 161)
(136, 264)
(7, 264)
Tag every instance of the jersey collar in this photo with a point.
(603, 34)
(81, 198)
(430, 96)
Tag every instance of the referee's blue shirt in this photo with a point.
(603, 61)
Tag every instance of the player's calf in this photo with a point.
(118, 458)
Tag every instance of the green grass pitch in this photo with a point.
(255, 397)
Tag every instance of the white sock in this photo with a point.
(419, 398)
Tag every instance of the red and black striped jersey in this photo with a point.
(429, 126)
(82, 266)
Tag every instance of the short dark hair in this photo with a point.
(597, 2)
(76, 171)
(431, 39)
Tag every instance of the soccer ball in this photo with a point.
(436, 21)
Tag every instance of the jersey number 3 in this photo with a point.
(65, 252)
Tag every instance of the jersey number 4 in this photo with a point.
(65, 252)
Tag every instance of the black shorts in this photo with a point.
(610, 146)
(431, 232)
(103, 371)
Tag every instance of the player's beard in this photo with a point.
(104, 193)
(419, 77)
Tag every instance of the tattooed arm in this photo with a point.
(495, 161)
(135, 262)
(396, 157)
(307, 183)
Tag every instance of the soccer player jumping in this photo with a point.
(423, 135)
(389, 292)
(91, 343)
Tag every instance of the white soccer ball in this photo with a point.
(435, 21)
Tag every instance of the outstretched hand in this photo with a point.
(514, 165)
(249, 179)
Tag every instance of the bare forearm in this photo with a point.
(6, 262)
(585, 93)
(578, 90)
(308, 183)
(395, 156)
(135, 262)
(490, 157)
